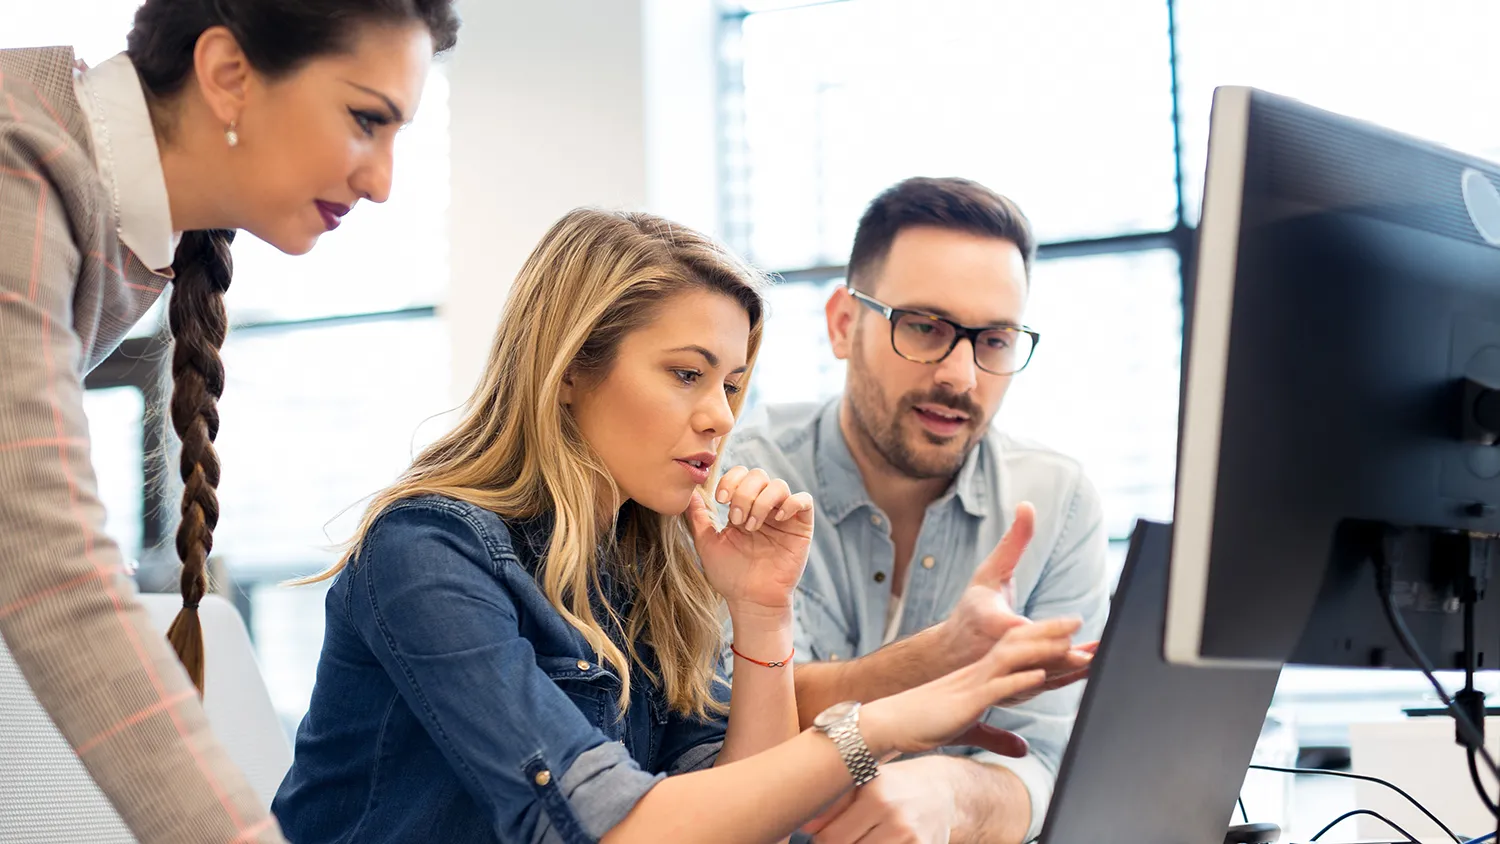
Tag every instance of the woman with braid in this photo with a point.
(117, 183)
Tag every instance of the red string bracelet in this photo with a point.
(777, 664)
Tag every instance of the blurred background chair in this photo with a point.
(48, 797)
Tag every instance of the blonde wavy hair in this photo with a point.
(595, 277)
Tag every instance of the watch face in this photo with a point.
(836, 713)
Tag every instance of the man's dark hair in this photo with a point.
(950, 203)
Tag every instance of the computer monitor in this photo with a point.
(1343, 357)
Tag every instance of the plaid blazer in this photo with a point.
(69, 290)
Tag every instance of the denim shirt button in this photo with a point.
(928, 562)
(543, 777)
(583, 665)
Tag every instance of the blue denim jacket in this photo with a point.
(844, 593)
(454, 704)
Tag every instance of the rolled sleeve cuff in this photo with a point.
(594, 795)
(1035, 775)
(698, 758)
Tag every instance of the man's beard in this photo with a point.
(882, 429)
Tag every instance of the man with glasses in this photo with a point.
(909, 577)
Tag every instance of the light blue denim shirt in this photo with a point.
(844, 594)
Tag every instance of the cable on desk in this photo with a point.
(1347, 815)
(1377, 780)
(1484, 793)
(1472, 733)
(1409, 644)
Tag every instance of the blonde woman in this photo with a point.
(523, 641)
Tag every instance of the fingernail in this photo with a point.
(750, 525)
(723, 496)
(781, 515)
(736, 516)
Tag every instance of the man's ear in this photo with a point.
(841, 310)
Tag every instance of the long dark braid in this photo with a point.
(199, 322)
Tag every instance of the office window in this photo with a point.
(1068, 108)
(116, 416)
(96, 29)
(795, 362)
(314, 420)
(1064, 106)
(287, 626)
(1103, 384)
(1422, 68)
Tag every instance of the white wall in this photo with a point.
(682, 130)
(551, 110)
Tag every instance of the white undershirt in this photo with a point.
(893, 611)
(128, 159)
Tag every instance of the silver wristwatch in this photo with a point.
(840, 722)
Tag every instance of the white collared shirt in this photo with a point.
(128, 159)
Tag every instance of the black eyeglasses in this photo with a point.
(924, 338)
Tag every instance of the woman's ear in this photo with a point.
(223, 73)
(565, 395)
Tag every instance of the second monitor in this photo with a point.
(1342, 397)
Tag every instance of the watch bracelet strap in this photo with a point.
(855, 753)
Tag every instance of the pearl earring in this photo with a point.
(232, 136)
